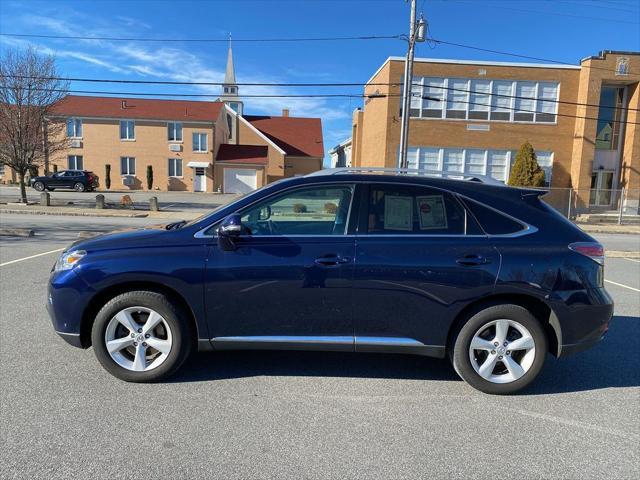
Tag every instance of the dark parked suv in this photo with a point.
(78, 180)
(343, 260)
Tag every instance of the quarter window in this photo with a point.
(127, 166)
(413, 210)
(74, 127)
(75, 162)
(174, 131)
(493, 222)
(127, 130)
(199, 142)
(175, 167)
(306, 211)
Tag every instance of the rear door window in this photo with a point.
(492, 221)
(415, 210)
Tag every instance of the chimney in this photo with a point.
(285, 112)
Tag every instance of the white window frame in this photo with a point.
(206, 142)
(175, 161)
(128, 172)
(77, 125)
(130, 130)
(74, 165)
(491, 94)
(172, 128)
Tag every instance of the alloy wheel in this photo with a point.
(138, 339)
(502, 351)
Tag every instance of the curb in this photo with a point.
(621, 254)
(625, 229)
(88, 213)
(16, 232)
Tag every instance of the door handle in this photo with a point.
(472, 260)
(331, 260)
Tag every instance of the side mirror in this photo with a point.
(230, 229)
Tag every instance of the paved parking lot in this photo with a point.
(297, 414)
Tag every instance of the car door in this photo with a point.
(289, 280)
(420, 259)
(56, 180)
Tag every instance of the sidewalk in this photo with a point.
(107, 212)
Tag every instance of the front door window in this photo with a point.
(305, 211)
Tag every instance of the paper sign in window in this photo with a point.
(432, 212)
(398, 213)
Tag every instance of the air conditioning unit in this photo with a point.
(175, 147)
(76, 143)
(128, 180)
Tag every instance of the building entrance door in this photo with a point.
(199, 180)
(601, 188)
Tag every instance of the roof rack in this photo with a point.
(409, 171)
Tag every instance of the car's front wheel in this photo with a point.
(39, 186)
(141, 336)
(79, 187)
(500, 349)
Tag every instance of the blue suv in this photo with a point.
(345, 260)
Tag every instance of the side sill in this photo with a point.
(329, 344)
(204, 345)
(398, 345)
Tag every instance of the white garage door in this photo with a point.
(240, 180)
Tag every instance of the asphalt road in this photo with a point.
(302, 415)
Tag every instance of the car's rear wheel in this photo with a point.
(79, 187)
(500, 349)
(39, 186)
(141, 336)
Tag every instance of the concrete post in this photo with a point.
(153, 204)
(45, 199)
(621, 211)
(100, 202)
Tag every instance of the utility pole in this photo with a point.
(416, 34)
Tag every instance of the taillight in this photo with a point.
(593, 250)
(90, 178)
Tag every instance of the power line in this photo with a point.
(302, 39)
(528, 57)
(370, 96)
(328, 85)
(205, 40)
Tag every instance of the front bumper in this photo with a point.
(67, 298)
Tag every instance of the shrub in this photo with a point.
(149, 177)
(299, 208)
(107, 176)
(331, 208)
(525, 171)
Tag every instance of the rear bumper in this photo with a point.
(584, 323)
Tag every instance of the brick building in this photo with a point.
(582, 120)
(190, 145)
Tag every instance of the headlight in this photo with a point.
(69, 260)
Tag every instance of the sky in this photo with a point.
(562, 30)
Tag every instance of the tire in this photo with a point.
(39, 186)
(79, 187)
(49, 189)
(158, 365)
(505, 371)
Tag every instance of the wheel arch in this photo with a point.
(537, 307)
(102, 297)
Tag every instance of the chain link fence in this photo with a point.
(596, 205)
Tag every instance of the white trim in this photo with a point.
(489, 63)
(255, 130)
(199, 164)
(153, 120)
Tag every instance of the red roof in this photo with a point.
(112, 107)
(295, 135)
(249, 154)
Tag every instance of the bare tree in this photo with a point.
(29, 130)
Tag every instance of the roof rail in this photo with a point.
(409, 171)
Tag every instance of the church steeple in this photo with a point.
(229, 86)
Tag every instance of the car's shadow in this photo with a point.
(614, 362)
